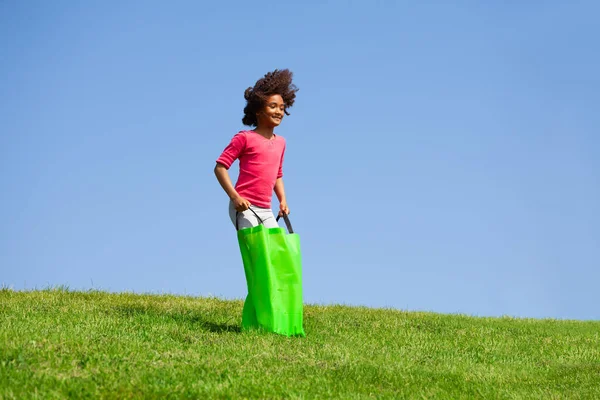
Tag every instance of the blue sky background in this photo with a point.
(441, 157)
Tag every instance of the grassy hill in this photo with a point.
(69, 344)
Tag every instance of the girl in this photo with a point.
(260, 152)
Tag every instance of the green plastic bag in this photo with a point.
(273, 268)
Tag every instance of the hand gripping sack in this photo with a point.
(273, 268)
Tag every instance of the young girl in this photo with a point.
(260, 152)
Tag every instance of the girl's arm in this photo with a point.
(222, 175)
(280, 193)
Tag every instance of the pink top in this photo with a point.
(261, 163)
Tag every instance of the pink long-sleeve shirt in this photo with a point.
(261, 164)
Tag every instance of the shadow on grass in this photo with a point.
(212, 327)
(189, 318)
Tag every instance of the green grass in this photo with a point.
(69, 344)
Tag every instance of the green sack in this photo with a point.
(273, 268)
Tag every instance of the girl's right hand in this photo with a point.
(241, 204)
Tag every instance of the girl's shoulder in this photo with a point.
(250, 136)
(243, 132)
(241, 136)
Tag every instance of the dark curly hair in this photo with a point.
(275, 82)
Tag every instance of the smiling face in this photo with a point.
(272, 113)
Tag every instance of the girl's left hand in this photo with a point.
(283, 209)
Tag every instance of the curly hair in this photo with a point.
(275, 82)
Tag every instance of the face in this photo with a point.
(272, 113)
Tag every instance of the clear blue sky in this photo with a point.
(441, 157)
